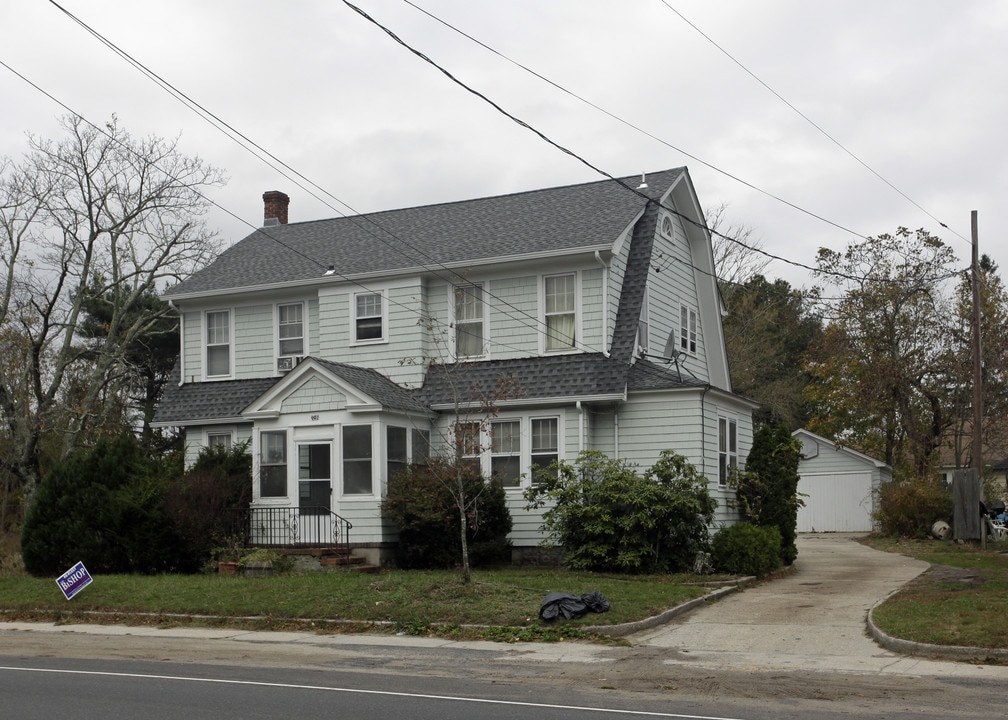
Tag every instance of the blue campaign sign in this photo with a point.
(74, 580)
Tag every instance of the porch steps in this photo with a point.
(336, 558)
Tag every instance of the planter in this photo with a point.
(260, 568)
(225, 567)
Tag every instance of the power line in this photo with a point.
(805, 117)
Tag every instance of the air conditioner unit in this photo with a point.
(287, 363)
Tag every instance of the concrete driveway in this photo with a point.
(813, 619)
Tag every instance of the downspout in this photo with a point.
(605, 302)
(615, 415)
(181, 326)
(581, 427)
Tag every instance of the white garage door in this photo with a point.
(840, 502)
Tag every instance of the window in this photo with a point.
(687, 329)
(469, 321)
(727, 448)
(217, 440)
(643, 324)
(273, 464)
(396, 450)
(560, 317)
(368, 317)
(290, 329)
(666, 226)
(505, 452)
(468, 444)
(421, 446)
(218, 343)
(314, 478)
(357, 460)
(545, 442)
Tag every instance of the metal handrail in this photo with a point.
(314, 526)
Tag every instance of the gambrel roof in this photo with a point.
(527, 225)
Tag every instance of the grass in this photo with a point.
(960, 600)
(498, 604)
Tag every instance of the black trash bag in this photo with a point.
(571, 607)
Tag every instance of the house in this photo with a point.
(839, 486)
(343, 349)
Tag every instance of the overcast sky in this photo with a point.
(915, 89)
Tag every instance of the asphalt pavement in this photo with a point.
(812, 619)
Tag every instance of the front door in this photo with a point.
(314, 490)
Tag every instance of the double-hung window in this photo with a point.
(727, 448)
(218, 343)
(273, 463)
(559, 311)
(469, 326)
(395, 441)
(687, 329)
(545, 443)
(290, 329)
(505, 452)
(469, 444)
(369, 317)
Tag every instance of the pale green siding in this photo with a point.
(253, 341)
(192, 361)
(514, 316)
(312, 397)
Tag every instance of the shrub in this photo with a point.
(767, 491)
(608, 518)
(104, 507)
(745, 549)
(426, 516)
(910, 507)
(209, 504)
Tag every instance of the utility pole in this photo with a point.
(977, 364)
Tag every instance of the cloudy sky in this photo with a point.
(916, 90)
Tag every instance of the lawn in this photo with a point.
(959, 601)
(502, 603)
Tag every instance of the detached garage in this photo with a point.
(838, 485)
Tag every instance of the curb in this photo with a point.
(630, 628)
(929, 650)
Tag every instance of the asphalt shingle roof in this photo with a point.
(195, 402)
(553, 220)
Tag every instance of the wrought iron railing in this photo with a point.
(291, 527)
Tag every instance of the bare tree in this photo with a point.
(97, 212)
(738, 256)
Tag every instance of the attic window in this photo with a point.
(666, 226)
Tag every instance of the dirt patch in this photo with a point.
(950, 574)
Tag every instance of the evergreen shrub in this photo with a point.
(746, 549)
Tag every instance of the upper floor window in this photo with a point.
(666, 226)
(369, 317)
(218, 343)
(727, 448)
(559, 311)
(469, 321)
(290, 329)
(687, 329)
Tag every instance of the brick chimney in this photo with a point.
(275, 207)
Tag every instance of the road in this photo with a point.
(112, 673)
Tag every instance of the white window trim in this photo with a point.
(728, 420)
(384, 318)
(257, 453)
(525, 454)
(578, 330)
(230, 430)
(304, 328)
(692, 336)
(205, 345)
(378, 462)
(453, 314)
(667, 220)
